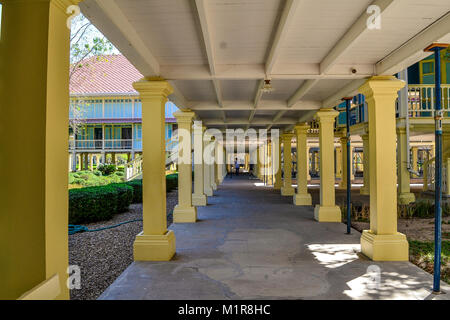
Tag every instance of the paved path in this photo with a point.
(252, 243)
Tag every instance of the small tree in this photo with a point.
(85, 42)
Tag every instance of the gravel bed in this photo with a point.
(103, 255)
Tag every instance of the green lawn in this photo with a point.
(422, 254)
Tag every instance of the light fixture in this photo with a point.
(267, 87)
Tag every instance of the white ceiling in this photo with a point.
(217, 52)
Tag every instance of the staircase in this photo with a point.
(134, 167)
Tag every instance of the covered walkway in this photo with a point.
(252, 243)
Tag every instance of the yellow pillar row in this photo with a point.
(155, 242)
(184, 212)
(327, 211)
(383, 242)
(302, 197)
(339, 162)
(287, 189)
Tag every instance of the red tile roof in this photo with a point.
(112, 74)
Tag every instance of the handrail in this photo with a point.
(428, 173)
(133, 168)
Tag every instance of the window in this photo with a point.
(427, 72)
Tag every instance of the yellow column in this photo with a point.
(308, 158)
(217, 169)
(327, 211)
(269, 164)
(155, 242)
(366, 168)
(339, 162)
(199, 196)
(34, 81)
(302, 197)
(278, 179)
(219, 164)
(258, 167)
(414, 160)
(382, 242)
(91, 161)
(287, 189)
(184, 212)
(207, 158)
(352, 164)
(343, 183)
(113, 157)
(213, 165)
(404, 193)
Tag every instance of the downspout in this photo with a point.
(404, 108)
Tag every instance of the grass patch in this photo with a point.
(422, 254)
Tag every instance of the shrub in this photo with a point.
(107, 169)
(97, 173)
(119, 174)
(92, 204)
(137, 190)
(171, 182)
(124, 196)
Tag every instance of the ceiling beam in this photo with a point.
(412, 51)
(287, 17)
(210, 53)
(290, 71)
(244, 122)
(356, 30)
(107, 16)
(248, 105)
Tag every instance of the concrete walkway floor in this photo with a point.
(252, 243)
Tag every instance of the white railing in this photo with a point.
(429, 175)
(133, 168)
(421, 100)
(107, 144)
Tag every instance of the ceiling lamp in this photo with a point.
(267, 87)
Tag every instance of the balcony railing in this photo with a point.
(107, 144)
(421, 100)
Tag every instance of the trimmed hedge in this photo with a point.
(92, 204)
(137, 190)
(99, 203)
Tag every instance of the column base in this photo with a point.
(391, 247)
(303, 199)
(287, 191)
(184, 215)
(406, 198)
(154, 247)
(364, 191)
(327, 214)
(277, 186)
(199, 200)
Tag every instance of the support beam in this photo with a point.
(302, 197)
(184, 212)
(327, 211)
(155, 242)
(287, 189)
(199, 196)
(383, 242)
(34, 81)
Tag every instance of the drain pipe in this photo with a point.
(436, 48)
(349, 168)
(403, 104)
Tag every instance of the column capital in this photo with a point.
(381, 85)
(327, 115)
(198, 126)
(149, 88)
(287, 136)
(400, 130)
(184, 116)
(302, 128)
